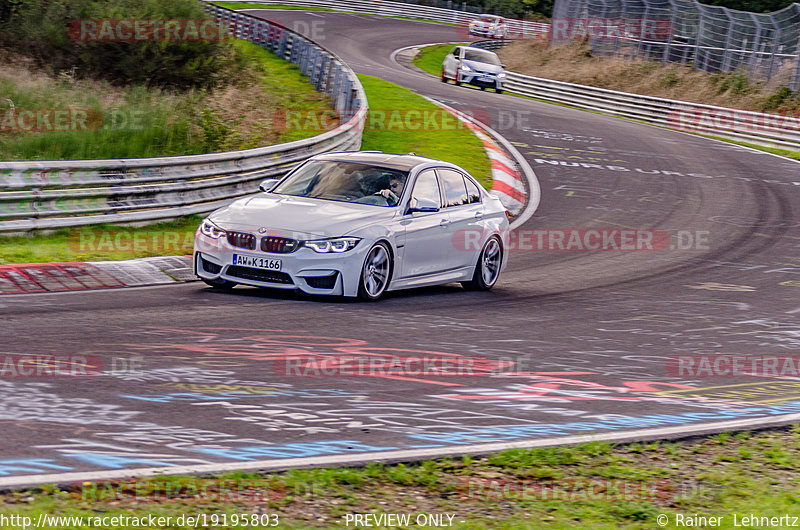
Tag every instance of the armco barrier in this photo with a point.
(757, 128)
(53, 194)
(746, 126)
(400, 9)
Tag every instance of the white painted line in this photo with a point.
(395, 455)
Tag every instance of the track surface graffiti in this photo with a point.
(517, 388)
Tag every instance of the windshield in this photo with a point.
(481, 56)
(345, 182)
(489, 19)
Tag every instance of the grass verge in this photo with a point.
(256, 5)
(671, 81)
(430, 58)
(102, 243)
(396, 125)
(593, 485)
(136, 121)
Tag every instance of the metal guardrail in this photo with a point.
(398, 9)
(758, 128)
(38, 195)
(747, 126)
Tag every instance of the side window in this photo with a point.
(457, 51)
(473, 192)
(455, 192)
(426, 187)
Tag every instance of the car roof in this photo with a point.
(377, 158)
(481, 50)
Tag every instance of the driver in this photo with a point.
(393, 192)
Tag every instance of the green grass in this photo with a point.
(774, 150)
(256, 5)
(396, 124)
(136, 121)
(388, 103)
(102, 242)
(430, 58)
(593, 485)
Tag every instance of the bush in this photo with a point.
(40, 29)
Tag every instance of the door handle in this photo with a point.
(444, 222)
(478, 215)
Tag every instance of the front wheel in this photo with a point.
(444, 77)
(375, 273)
(487, 270)
(498, 90)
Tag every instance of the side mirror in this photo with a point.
(422, 205)
(268, 184)
(503, 66)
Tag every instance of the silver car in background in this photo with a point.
(474, 66)
(489, 26)
(357, 224)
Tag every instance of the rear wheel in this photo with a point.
(376, 272)
(487, 270)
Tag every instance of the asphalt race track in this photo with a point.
(571, 343)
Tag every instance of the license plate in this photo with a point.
(486, 79)
(257, 262)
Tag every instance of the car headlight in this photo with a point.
(336, 245)
(501, 74)
(207, 228)
(465, 68)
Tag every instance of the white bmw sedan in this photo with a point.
(357, 224)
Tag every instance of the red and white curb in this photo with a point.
(55, 277)
(513, 179)
(507, 182)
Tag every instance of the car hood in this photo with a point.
(483, 67)
(298, 217)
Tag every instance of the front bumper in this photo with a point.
(304, 269)
(486, 32)
(480, 79)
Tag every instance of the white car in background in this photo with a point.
(357, 224)
(489, 26)
(474, 66)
